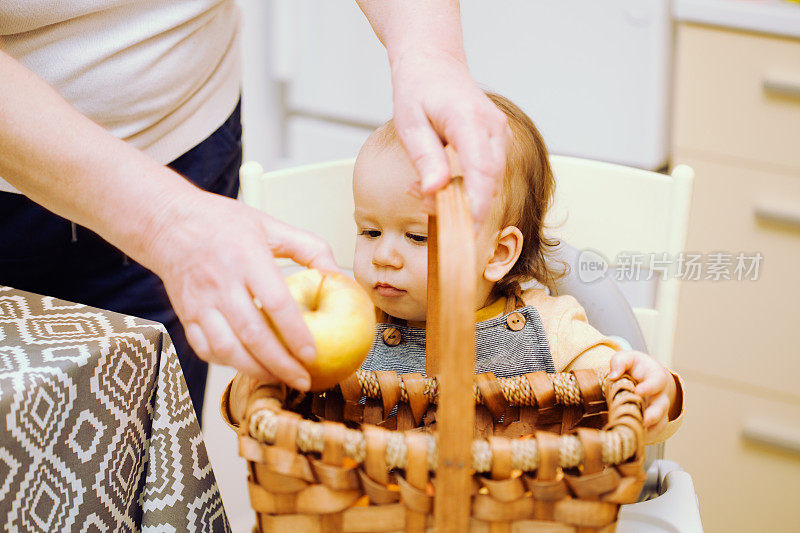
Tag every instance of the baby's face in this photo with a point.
(391, 257)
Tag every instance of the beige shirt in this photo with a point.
(162, 75)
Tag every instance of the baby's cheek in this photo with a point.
(360, 262)
(362, 281)
(415, 310)
(420, 300)
(358, 275)
(417, 267)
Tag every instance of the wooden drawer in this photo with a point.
(744, 331)
(742, 483)
(738, 94)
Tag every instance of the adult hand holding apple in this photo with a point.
(341, 319)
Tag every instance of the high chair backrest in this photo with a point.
(609, 210)
(636, 221)
(317, 198)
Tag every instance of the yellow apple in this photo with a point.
(341, 319)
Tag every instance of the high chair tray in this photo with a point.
(674, 507)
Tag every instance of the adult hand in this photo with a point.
(216, 256)
(436, 102)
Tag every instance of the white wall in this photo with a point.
(261, 105)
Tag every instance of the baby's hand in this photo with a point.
(656, 387)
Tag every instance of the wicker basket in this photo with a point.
(458, 452)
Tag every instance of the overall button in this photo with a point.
(515, 322)
(392, 336)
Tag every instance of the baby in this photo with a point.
(518, 331)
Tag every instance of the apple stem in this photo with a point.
(318, 296)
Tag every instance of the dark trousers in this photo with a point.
(40, 252)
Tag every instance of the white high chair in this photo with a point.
(621, 212)
(608, 209)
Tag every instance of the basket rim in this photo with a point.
(622, 437)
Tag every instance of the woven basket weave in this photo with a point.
(453, 451)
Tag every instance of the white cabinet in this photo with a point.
(734, 342)
(592, 75)
(743, 457)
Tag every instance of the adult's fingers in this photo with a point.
(254, 333)
(499, 138)
(500, 135)
(423, 146)
(266, 283)
(482, 168)
(485, 135)
(213, 340)
(497, 123)
(300, 246)
(197, 340)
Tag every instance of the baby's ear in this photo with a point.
(506, 252)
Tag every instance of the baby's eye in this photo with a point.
(370, 233)
(421, 239)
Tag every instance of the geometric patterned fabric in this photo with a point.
(98, 433)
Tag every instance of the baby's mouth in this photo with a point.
(388, 291)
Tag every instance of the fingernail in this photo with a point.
(301, 384)
(426, 183)
(433, 178)
(308, 354)
(429, 179)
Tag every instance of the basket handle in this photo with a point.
(451, 346)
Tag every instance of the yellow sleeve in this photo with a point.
(576, 344)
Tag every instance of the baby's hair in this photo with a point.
(526, 192)
(525, 195)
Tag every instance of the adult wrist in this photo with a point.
(154, 238)
(403, 55)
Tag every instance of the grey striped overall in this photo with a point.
(507, 345)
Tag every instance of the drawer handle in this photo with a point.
(780, 436)
(782, 213)
(781, 86)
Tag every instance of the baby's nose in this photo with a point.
(387, 255)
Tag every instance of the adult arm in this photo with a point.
(214, 254)
(436, 101)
